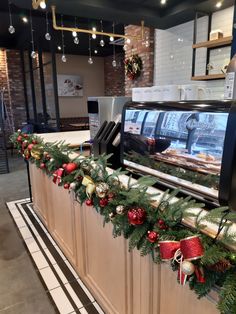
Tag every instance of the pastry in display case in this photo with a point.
(184, 144)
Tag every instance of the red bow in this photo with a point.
(57, 175)
(187, 249)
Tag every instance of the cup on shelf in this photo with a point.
(195, 92)
(172, 92)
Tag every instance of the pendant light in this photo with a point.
(75, 35)
(113, 30)
(63, 57)
(90, 59)
(102, 42)
(114, 64)
(33, 52)
(11, 28)
(47, 35)
(94, 36)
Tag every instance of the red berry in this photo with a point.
(25, 135)
(30, 146)
(64, 166)
(19, 138)
(42, 165)
(89, 202)
(66, 186)
(34, 142)
(103, 202)
(161, 224)
(152, 236)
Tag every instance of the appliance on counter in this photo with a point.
(102, 109)
(191, 145)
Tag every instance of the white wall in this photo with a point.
(173, 52)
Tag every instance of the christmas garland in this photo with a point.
(133, 67)
(154, 229)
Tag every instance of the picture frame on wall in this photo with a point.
(69, 85)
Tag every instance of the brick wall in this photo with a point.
(114, 77)
(11, 79)
(146, 54)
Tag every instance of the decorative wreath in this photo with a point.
(133, 67)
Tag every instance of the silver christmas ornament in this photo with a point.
(102, 189)
(11, 29)
(33, 54)
(102, 43)
(187, 268)
(114, 63)
(63, 58)
(90, 60)
(47, 36)
(76, 40)
(73, 185)
(120, 209)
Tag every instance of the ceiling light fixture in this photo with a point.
(24, 19)
(38, 3)
(90, 59)
(102, 42)
(94, 36)
(59, 47)
(11, 28)
(33, 52)
(95, 51)
(89, 31)
(218, 4)
(114, 57)
(75, 35)
(63, 57)
(47, 35)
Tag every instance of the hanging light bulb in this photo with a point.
(63, 57)
(90, 59)
(128, 41)
(76, 40)
(102, 42)
(43, 4)
(11, 28)
(47, 35)
(125, 47)
(33, 53)
(94, 36)
(74, 34)
(111, 38)
(114, 63)
(113, 29)
(114, 57)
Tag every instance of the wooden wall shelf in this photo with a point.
(214, 43)
(208, 77)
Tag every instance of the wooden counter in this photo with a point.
(122, 282)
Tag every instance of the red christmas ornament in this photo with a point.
(30, 146)
(66, 186)
(161, 224)
(42, 165)
(136, 216)
(103, 202)
(152, 236)
(70, 167)
(19, 139)
(89, 202)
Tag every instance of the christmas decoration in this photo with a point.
(120, 209)
(152, 236)
(133, 67)
(154, 229)
(102, 189)
(70, 167)
(136, 216)
(66, 186)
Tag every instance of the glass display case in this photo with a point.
(183, 144)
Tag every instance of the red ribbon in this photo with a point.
(57, 175)
(189, 249)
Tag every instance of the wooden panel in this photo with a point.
(208, 77)
(179, 299)
(214, 43)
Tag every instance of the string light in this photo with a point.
(47, 35)
(90, 59)
(102, 42)
(11, 28)
(63, 57)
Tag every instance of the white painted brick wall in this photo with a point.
(173, 53)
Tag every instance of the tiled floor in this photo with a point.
(64, 288)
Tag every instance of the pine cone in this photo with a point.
(220, 266)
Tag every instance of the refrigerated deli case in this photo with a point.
(190, 145)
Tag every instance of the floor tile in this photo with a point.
(15, 213)
(61, 301)
(25, 232)
(41, 242)
(83, 311)
(49, 278)
(60, 274)
(20, 222)
(73, 296)
(40, 260)
(100, 311)
(49, 255)
(32, 245)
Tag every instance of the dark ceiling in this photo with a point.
(90, 12)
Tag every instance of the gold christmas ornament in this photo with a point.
(187, 268)
(120, 209)
(37, 152)
(102, 189)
